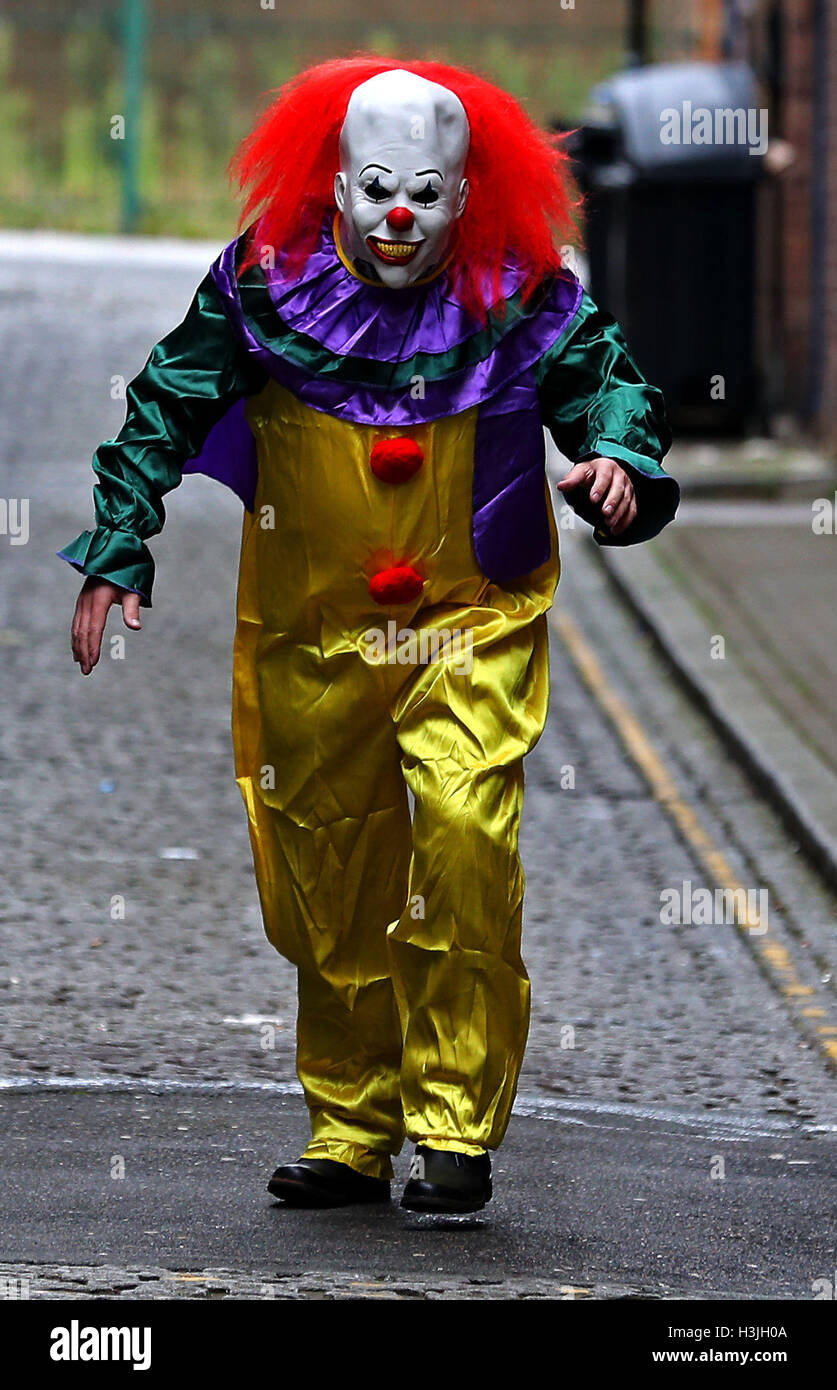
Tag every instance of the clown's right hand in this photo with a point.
(90, 617)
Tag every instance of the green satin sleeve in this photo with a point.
(595, 401)
(190, 380)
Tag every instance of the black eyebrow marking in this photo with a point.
(383, 167)
(421, 172)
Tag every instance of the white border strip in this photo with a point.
(531, 1107)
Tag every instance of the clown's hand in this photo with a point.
(601, 492)
(94, 601)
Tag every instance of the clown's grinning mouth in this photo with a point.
(394, 252)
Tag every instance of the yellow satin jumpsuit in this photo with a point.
(405, 929)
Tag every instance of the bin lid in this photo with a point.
(683, 120)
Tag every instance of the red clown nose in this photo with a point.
(400, 219)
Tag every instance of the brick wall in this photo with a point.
(794, 120)
(807, 267)
(829, 393)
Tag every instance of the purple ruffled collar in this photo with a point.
(351, 317)
(326, 306)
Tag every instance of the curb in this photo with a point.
(726, 487)
(732, 702)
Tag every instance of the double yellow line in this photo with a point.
(811, 1007)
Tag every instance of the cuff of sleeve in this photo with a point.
(118, 556)
(657, 495)
(603, 448)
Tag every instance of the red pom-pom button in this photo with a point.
(401, 584)
(396, 460)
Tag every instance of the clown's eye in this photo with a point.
(427, 195)
(376, 191)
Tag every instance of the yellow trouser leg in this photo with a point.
(462, 988)
(331, 840)
(348, 1061)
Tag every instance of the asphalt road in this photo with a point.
(597, 1201)
(682, 1050)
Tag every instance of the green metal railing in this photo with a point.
(134, 28)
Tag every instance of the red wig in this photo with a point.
(519, 203)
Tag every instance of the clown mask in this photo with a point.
(400, 188)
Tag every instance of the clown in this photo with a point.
(370, 366)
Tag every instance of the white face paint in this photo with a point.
(400, 187)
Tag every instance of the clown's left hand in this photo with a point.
(608, 488)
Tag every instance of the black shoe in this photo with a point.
(323, 1182)
(441, 1180)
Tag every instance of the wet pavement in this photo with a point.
(591, 1203)
(741, 599)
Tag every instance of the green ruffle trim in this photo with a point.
(305, 352)
(118, 556)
